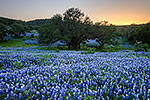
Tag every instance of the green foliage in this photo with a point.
(143, 34)
(105, 33)
(141, 47)
(124, 40)
(37, 23)
(17, 29)
(33, 31)
(26, 38)
(137, 33)
(76, 28)
(48, 48)
(62, 47)
(15, 43)
(131, 33)
(3, 31)
(57, 50)
(90, 51)
(72, 28)
(7, 21)
(51, 32)
(12, 28)
(109, 49)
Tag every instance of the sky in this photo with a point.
(118, 12)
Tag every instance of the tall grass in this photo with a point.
(15, 43)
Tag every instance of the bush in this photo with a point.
(141, 47)
(91, 51)
(145, 47)
(15, 43)
(108, 50)
(62, 47)
(57, 50)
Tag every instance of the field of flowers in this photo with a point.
(27, 73)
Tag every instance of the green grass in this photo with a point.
(88, 50)
(47, 48)
(113, 49)
(15, 43)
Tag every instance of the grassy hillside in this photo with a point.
(15, 43)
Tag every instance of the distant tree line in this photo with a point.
(74, 28)
(13, 28)
(35, 24)
(137, 33)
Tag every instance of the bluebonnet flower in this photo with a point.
(1, 91)
(20, 96)
(43, 97)
(91, 76)
(119, 91)
(127, 96)
(107, 98)
(123, 97)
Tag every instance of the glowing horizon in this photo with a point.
(117, 12)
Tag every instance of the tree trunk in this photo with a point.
(69, 46)
(79, 46)
(99, 47)
(74, 46)
(2, 39)
(100, 44)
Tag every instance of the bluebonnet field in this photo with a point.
(28, 73)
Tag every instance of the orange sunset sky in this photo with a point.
(118, 12)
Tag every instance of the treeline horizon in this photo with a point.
(43, 20)
(74, 27)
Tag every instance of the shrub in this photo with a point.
(57, 50)
(60, 47)
(141, 47)
(90, 51)
(145, 47)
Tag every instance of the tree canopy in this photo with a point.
(143, 33)
(12, 28)
(71, 28)
(104, 33)
(50, 32)
(74, 28)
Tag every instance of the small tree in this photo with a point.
(75, 27)
(104, 33)
(17, 29)
(144, 33)
(131, 33)
(51, 31)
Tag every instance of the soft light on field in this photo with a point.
(35, 74)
